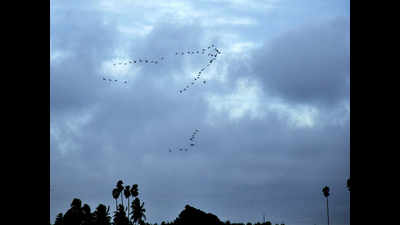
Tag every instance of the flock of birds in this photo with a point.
(191, 143)
(212, 53)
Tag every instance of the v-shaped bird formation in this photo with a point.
(189, 146)
(114, 80)
(211, 52)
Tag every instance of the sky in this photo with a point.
(273, 115)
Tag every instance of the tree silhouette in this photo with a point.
(138, 211)
(59, 219)
(325, 190)
(120, 217)
(115, 194)
(134, 190)
(120, 188)
(127, 193)
(101, 215)
(191, 215)
(74, 215)
(87, 215)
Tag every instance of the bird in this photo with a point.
(180, 91)
(197, 52)
(130, 61)
(170, 150)
(204, 81)
(115, 80)
(145, 61)
(125, 82)
(177, 53)
(162, 58)
(192, 83)
(192, 144)
(155, 62)
(114, 64)
(140, 60)
(104, 78)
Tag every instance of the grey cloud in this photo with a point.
(306, 65)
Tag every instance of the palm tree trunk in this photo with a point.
(128, 208)
(116, 205)
(327, 208)
(122, 200)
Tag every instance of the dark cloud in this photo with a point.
(307, 65)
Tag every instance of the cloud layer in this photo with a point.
(273, 116)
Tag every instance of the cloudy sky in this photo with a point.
(273, 115)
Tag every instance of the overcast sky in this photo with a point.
(273, 114)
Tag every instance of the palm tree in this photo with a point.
(120, 217)
(134, 190)
(138, 211)
(120, 188)
(325, 190)
(101, 215)
(127, 193)
(115, 194)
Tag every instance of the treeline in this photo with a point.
(133, 213)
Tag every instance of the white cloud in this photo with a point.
(245, 100)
